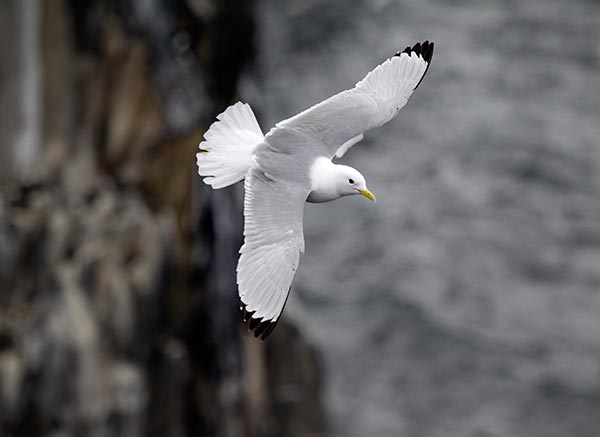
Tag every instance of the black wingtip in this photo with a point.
(424, 50)
(260, 328)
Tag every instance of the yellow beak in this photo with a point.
(367, 194)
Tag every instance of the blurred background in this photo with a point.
(465, 302)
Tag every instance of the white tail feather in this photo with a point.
(226, 153)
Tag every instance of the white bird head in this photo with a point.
(349, 181)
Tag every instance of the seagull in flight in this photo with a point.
(292, 164)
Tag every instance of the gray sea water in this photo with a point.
(466, 301)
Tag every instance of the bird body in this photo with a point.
(291, 165)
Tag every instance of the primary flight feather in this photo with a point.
(291, 165)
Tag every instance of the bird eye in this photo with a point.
(351, 181)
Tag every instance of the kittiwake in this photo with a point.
(292, 164)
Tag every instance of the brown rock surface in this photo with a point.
(118, 304)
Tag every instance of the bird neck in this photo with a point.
(324, 180)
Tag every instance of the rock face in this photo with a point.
(118, 307)
(81, 311)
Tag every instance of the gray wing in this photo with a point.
(339, 122)
(273, 242)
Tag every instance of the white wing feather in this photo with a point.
(273, 242)
(344, 147)
(339, 122)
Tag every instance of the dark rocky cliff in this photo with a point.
(118, 305)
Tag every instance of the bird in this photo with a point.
(293, 164)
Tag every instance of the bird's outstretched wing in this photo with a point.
(340, 121)
(273, 242)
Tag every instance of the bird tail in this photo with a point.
(226, 153)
